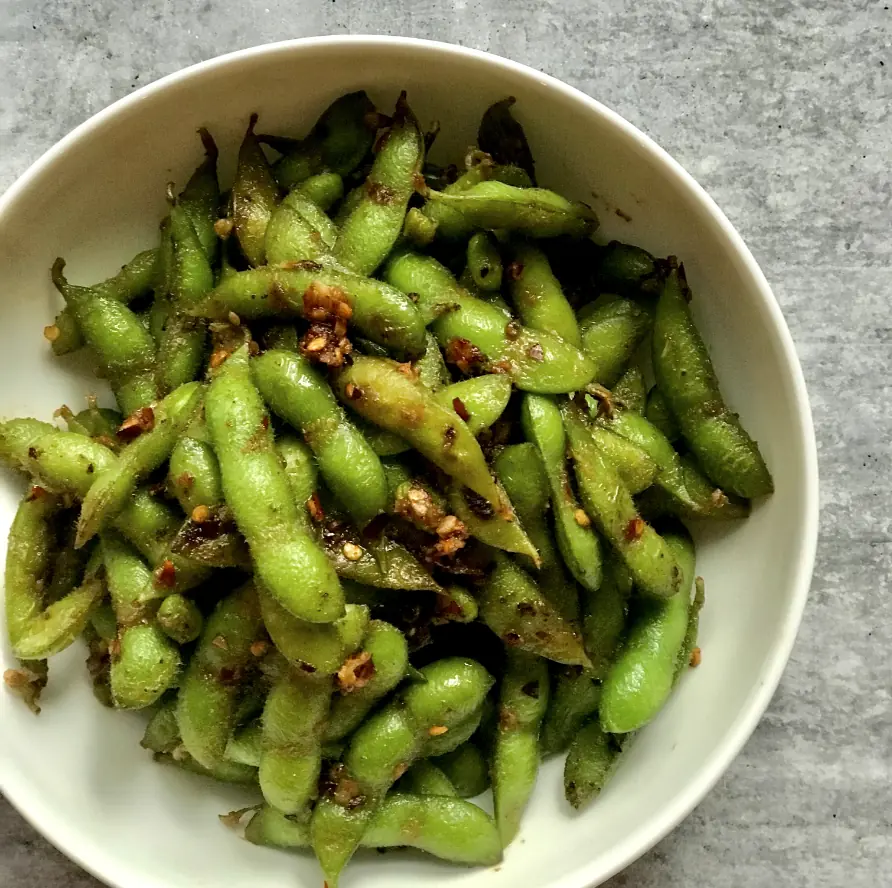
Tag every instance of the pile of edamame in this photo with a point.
(387, 509)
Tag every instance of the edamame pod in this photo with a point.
(253, 197)
(209, 689)
(287, 561)
(523, 699)
(302, 473)
(479, 401)
(580, 547)
(384, 747)
(380, 391)
(590, 763)
(630, 391)
(201, 196)
(641, 678)
(147, 661)
(339, 141)
(430, 368)
(299, 230)
(513, 606)
(451, 829)
(294, 390)
(135, 279)
(382, 313)
(536, 212)
(658, 414)
(476, 335)
(389, 655)
(123, 347)
(685, 375)
(293, 721)
(158, 430)
(485, 265)
(611, 334)
(688, 654)
(608, 501)
(537, 295)
(94, 421)
(372, 228)
(628, 270)
(321, 647)
(37, 631)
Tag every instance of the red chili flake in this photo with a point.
(314, 507)
(166, 574)
(141, 420)
(36, 493)
(634, 529)
(459, 407)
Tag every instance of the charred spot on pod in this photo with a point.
(512, 639)
(379, 193)
(525, 609)
(512, 331)
(449, 436)
(141, 420)
(531, 689)
(480, 506)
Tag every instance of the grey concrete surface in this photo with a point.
(781, 109)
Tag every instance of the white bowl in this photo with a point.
(77, 771)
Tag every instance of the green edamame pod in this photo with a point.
(113, 485)
(578, 543)
(441, 744)
(519, 468)
(485, 264)
(324, 189)
(686, 377)
(201, 196)
(379, 391)
(466, 769)
(630, 391)
(538, 297)
(301, 470)
(686, 652)
(348, 205)
(179, 618)
(575, 695)
(299, 230)
(135, 279)
(489, 527)
(419, 229)
(451, 829)
(658, 414)
(287, 561)
(608, 501)
(389, 655)
(536, 212)
(611, 333)
(323, 647)
(193, 475)
(37, 631)
(513, 606)
(370, 231)
(604, 615)
(479, 401)
(245, 746)
(293, 721)
(425, 778)
(523, 699)
(122, 346)
(60, 462)
(223, 772)
(208, 695)
(147, 661)
(338, 142)
(642, 676)
(628, 270)
(386, 745)
(430, 368)
(253, 197)
(181, 343)
(162, 734)
(476, 335)
(298, 393)
(590, 763)
(380, 312)
(94, 421)
(633, 463)
(69, 567)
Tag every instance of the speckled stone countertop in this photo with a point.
(780, 108)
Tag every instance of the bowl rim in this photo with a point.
(653, 830)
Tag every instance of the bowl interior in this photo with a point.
(78, 772)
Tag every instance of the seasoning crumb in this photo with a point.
(200, 514)
(696, 657)
(220, 642)
(356, 672)
(581, 518)
(259, 648)
(437, 730)
(352, 552)
(166, 574)
(223, 228)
